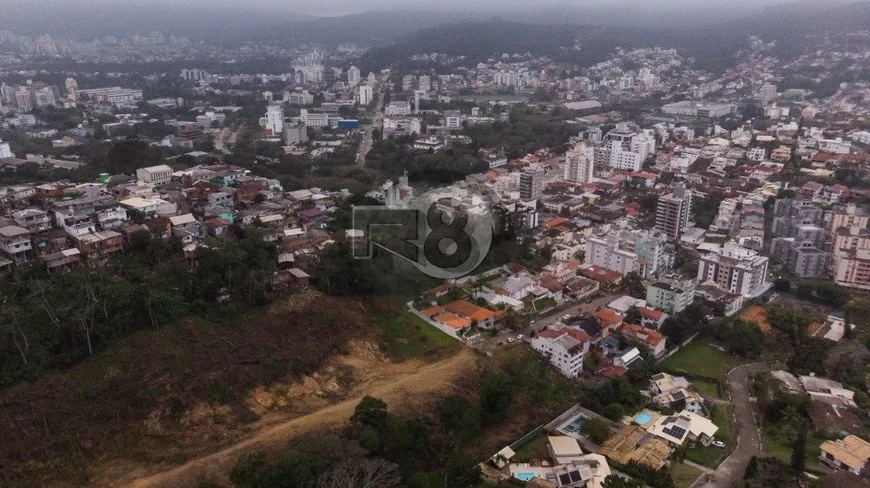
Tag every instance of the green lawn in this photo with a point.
(721, 418)
(684, 475)
(708, 456)
(544, 304)
(407, 336)
(534, 449)
(707, 388)
(699, 358)
(780, 446)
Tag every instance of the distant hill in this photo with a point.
(713, 46)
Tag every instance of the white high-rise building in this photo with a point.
(734, 269)
(366, 95)
(5, 152)
(274, 120)
(353, 76)
(424, 83)
(72, 88)
(642, 251)
(626, 147)
(579, 163)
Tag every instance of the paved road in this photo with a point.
(377, 121)
(744, 428)
(542, 322)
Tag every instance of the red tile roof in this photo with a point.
(650, 313)
(607, 317)
(641, 333)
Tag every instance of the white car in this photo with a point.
(719, 444)
(510, 340)
(566, 316)
(520, 337)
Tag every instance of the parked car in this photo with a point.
(719, 444)
(510, 340)
(520, 337)
(566, 316)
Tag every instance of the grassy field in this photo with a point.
(780, 447)
(699, 358)
(544, 304)
(708, 456)
(708, 388)
(536, 449)
(684, 475)
(720, 418)
(407, 336)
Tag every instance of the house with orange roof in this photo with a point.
(554, 222)
(608, 319)
(652, 340)
(651, 318)
(479, 316)
(440, 290)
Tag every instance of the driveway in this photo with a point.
(744, 427)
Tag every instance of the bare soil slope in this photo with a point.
(159, 398)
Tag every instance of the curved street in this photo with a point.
(744, 427)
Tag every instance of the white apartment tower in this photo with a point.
(579, 163)
(5, 151)
(353, 76)
(366, 95)
(274, 120)
(734, 269)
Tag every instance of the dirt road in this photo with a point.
(401, 384)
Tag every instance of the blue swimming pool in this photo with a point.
(524, 476)
(643, 418)
(574, 426)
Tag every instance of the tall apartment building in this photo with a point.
(353, 76)
(564, 347)
(29, 96)
(799, 241)
(295, 133)
(625, 147)
(851, 257)
(5, 151)
(734, 269)
(579, 163)
(672, 212)
(789, 214)
(366, 95)
(848, 215)
(274, 120)
(670, 294)
(802, 258)
(641, 251)
(531, 185)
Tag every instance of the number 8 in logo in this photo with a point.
(448, 245)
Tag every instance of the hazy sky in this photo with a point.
(337, 7)
(332, 7)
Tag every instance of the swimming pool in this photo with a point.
(524, 476)
(574, 426)
(643, 418)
